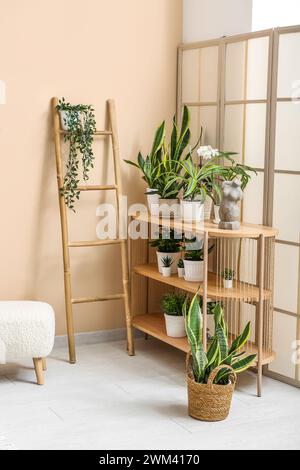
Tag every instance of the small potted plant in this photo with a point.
(172, 305)
(194, 265)
(167, 244)
(197, 183)
(211, 375)
(228, 275)
(167, 262)
(180, 268)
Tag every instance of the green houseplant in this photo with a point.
(80, 125)
(167, 262)
(194, 264)
(172, 307)
(150, 165)
(167, 244)
(159, 167)
(228, 276)
(197, 183)
(210, 382)
(180, 268)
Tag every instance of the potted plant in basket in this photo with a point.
(211, 375)
(193, 261)
(167, 262)
(172, 306)
(228, 276)
(180, 268)
(167, 244)
(80, 125)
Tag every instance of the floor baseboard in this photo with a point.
(94, 337)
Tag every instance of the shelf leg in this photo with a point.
(260, 325)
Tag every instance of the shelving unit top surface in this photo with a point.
(246, 230)
(240, 291)
(154, 325)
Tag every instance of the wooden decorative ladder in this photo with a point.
(66, 244)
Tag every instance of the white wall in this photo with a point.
(274, 13)
(209, 19)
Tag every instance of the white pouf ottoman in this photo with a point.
(26, 330)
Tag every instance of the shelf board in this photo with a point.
(245, 231)
(154, 325)
(240, 291)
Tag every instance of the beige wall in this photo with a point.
(87, 51)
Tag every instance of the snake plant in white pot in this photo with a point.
(211, 375)
(173, 154)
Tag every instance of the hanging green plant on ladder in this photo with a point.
(80, 125)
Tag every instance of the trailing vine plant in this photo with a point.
(81, 125)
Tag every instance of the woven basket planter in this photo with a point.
(209, 402)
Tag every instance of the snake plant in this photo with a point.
(219, 351)
(168, 187)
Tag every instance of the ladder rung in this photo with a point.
(94, 243)
(84, 300)
(106, 187)
(61, 131)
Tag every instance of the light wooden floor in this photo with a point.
(111, 401)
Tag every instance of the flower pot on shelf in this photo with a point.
(193, 270)
(207, 208)
(175, 326)
(209, 402)
(169, 208)
(166, 271)
(180, 272)
(217, 214)
(153, 201)
(228, 283)
(191, 211)
(175, 257)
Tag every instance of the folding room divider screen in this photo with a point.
(244, 91)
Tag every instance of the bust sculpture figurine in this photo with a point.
(232, 194)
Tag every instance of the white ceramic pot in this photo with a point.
(169, 208)
(166, 271)
(207, 208)
(193, 270)
(217, 214)
(228, 283)
(175, 326)
(153, 202)
(180, 272)
(175, 257)
(191, 211)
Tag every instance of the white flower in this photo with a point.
(207, 152)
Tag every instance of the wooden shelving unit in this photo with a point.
(249, 250)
